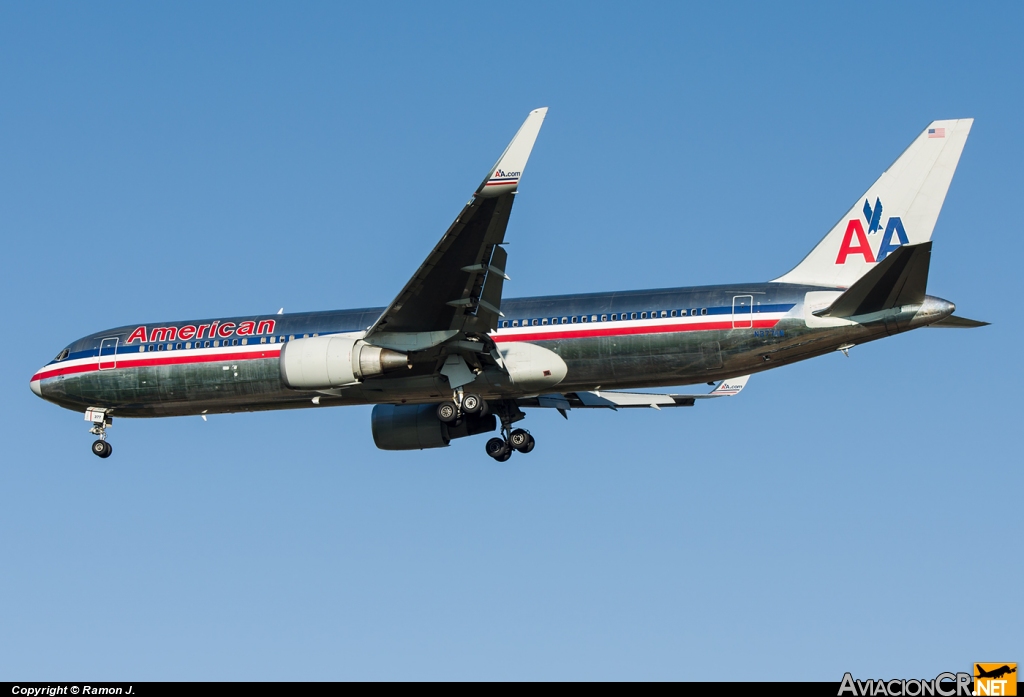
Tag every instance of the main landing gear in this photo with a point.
(501, 448)
(101, 421)
(461, 404)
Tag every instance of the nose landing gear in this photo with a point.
(100, 421)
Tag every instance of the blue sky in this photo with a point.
(161, 162)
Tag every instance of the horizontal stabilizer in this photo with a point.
(954, 322)
(900, 279)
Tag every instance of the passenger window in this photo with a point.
(643, 315)
(504, 324)
(664, 314)
(604, 318)
(159, 347)
(216, 343)
(675, 313)
(565, 320)
(206, 344)
(583, 318)
(304, 336)
(536, 322)
(142, 349)
(515, 323)
(263, 339)
(575, 319)
(544, 321)
(554, 320)
(273, 339)
(704, 310)
(291, 337)
(244, 342)
(179, 346)
(632, 315)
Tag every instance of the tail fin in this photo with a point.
(899, 209)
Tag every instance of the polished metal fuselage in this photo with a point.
(708, 333)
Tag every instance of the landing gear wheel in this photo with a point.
(498, 449)
(101, 448)
(519, 439)
(530, 445)
(473, 404)
(447, 412)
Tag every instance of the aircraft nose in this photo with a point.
(35, 385)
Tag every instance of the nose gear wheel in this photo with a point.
(101, 421)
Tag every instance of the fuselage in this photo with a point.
(619, 340)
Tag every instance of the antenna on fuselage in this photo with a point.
(281, 311)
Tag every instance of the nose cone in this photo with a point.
(35, 385)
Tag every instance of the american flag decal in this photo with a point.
(936, 132)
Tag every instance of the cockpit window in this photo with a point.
(63, 354)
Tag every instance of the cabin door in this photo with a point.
(742, 311)
(108, 353)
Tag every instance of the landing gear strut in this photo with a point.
(501, 448)
(100, 421)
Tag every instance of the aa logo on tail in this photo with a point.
(855, 240)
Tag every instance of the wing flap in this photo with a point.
(602, 399)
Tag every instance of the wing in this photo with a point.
(627, 400)
(458, 287)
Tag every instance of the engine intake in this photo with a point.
(322, 362)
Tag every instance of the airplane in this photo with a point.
(995, 673)
(450, 357)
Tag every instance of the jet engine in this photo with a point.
(416, 427)
(322, 362)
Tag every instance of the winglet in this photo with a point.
(504, 175)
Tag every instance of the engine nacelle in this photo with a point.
(416, 427)
(322, 362)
